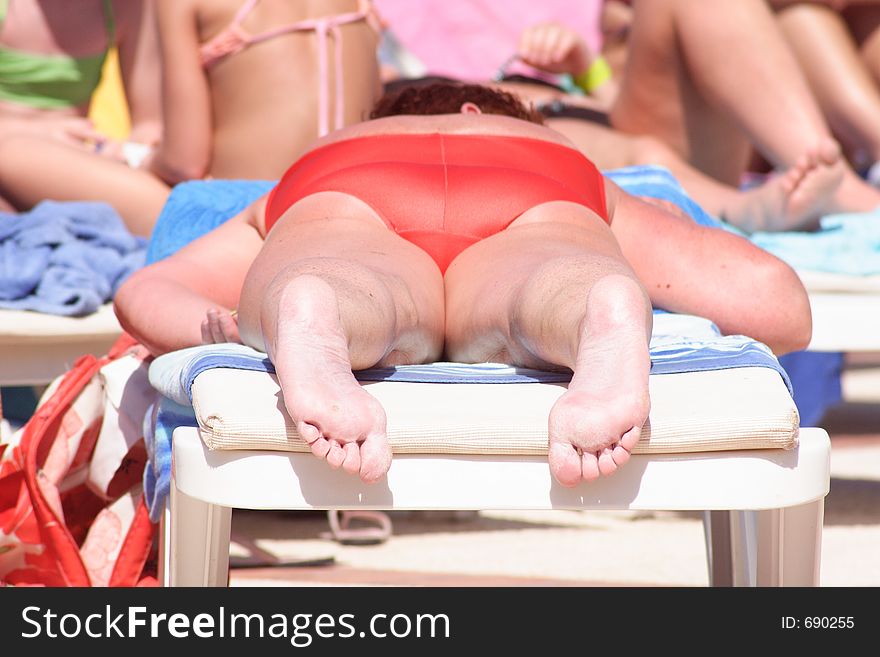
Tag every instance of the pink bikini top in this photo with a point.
(234, 38)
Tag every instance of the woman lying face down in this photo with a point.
(453, 225)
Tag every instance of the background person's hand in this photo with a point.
(72, 130)
(555, 48)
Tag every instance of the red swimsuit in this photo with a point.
(444, 192)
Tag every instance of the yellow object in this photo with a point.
(594, 77)
(109, 109)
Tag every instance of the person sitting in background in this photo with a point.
(680, 87)
(248, 83)
(838, 46)
(51, 57)
(793, 199)
(453, 224)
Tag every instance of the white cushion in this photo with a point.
(739, 408)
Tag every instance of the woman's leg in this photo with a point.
(34, 169)
(553, 290)
(842, 84)
(332, 291)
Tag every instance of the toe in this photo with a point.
(335, 455)
(320, 447)
(565, 464)
(620, 454)
(375, 458)
(352, 462)
(308, 432)
(607, 466)
(630, 439)
(590, 466)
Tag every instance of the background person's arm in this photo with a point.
(138, 48)
(184, 152)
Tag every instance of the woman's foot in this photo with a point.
(795, 199)
(340, 420)
(595, 425)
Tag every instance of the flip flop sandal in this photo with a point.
(342, 531)
(259, 558)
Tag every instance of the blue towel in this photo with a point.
(844, 244)
(197, 207)
(65, 258)
(658, 182)
(679, 343)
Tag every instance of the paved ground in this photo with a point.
(579, 548)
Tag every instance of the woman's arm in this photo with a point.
(710, 272)
(164, 305)
(138, 47)
(184, 153)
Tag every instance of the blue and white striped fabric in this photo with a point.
(680, 343)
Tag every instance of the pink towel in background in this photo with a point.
(470, 39)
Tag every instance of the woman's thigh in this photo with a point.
(551, 251)
(339, 237)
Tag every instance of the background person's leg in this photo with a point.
(795, 198)
(553, 290)
(841, 82)
(715, 74)
(34, 169)
(863, 21)
(713, 79)
(335, 290)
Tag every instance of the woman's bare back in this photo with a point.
(266, 98)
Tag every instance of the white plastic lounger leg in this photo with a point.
(198, 541)
(777, 547)
(731, 547)
(789, 545)
(716, 526)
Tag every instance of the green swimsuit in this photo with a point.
(51, 81)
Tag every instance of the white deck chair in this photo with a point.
(726, 442)
(846, 311)
(35, 348)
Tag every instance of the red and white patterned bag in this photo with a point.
(71, 503)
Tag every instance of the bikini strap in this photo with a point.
(323, 28)
(234, 38)
(231, 39)
(244, 10)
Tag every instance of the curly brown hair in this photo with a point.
(448, 97)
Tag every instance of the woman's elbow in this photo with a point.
(796, 337)
(134, 302)
(178, 171)
(792, 318)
